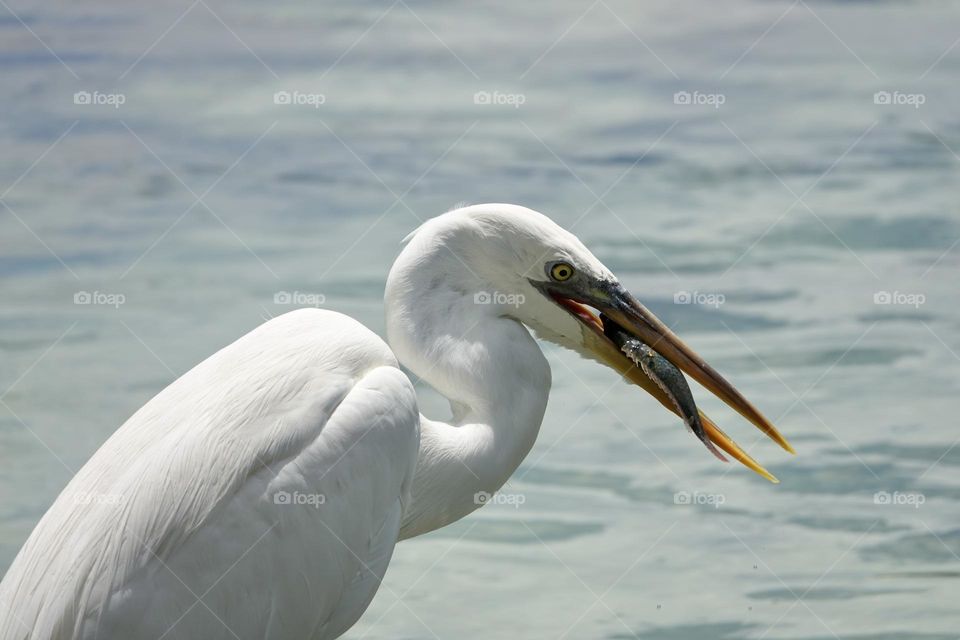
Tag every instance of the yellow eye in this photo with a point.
(561, 271)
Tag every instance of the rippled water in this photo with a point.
(798, 199)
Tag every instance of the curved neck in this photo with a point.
(495, 377)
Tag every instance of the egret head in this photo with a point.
(513, 262)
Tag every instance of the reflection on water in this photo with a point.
(788, 210)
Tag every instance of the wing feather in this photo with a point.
(178, 526)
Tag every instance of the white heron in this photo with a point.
(262, 493)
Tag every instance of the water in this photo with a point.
(797, 199)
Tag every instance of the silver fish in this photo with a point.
(666, 376)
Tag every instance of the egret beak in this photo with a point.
(631, 316)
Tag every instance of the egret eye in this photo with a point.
(561, 271)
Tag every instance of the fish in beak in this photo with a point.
(667, 376)
(623, 321)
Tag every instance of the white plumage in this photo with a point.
(203, 476)
(262, 493)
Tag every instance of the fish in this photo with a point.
(666, 376)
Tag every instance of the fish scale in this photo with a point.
(671, 380)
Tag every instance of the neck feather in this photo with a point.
(496, 379)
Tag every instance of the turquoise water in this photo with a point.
(784, 197)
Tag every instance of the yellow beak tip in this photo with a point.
(786, 446)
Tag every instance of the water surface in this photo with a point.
(798, 200)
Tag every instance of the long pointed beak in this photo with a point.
(639, 321)
(633, 317)
(629, 313)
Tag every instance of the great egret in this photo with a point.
(261, 494)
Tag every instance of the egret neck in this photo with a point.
(456, 334)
